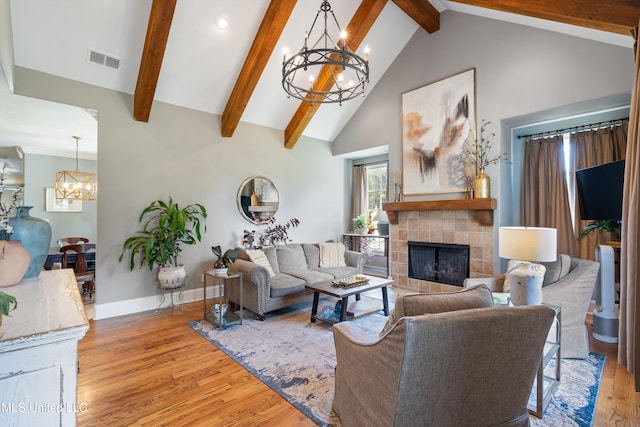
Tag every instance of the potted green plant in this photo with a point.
(610, 225)
(7, 303)
(360, 224)
(166, 227)
(224, 260)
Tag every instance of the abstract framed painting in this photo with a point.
(438, 121)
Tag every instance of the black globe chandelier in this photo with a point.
(348, 73)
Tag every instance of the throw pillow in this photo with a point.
(291, 257)
(312, 253)
(259, 257)
(332, 255)
(272, 256)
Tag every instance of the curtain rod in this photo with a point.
(586, 126)
(381, 162)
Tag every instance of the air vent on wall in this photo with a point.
(103, 59)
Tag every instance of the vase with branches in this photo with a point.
(277, 233)
(5, 209)
(16, 266)
(480, 155)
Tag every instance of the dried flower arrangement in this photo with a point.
(479, 153)
(5, 210)
(277, 233)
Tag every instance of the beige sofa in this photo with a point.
(294, 265)
(569, 283)
(456, 366)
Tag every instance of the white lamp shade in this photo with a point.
(381, 216)
(536, 244)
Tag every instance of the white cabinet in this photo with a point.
(39, 352)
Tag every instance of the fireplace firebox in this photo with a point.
(439, 262)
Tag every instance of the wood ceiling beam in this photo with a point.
(268, 34)
(422, 12)
(154, 46)
(615, 16)
(357, 29)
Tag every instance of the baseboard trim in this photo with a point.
(139, 305)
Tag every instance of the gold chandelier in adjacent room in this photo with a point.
(348, 73)
(76, 185)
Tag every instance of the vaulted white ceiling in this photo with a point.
(201, 62)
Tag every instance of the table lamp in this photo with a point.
(383, 222)
(527, 245)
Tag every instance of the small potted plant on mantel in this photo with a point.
(166, 228)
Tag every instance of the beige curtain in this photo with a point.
(592, 148)
(628, 340)
(544, 199)
(359, 203)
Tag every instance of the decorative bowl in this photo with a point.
(219, 310)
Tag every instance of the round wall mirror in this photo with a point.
(258, 199)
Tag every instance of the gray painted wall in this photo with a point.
(180, 153)
(521, 72)
(40, 173)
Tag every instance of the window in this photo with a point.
(376, 186)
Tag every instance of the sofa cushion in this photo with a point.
(339, 272)
(272, 258)
(258, 256)
(311, 276)
(312, 253)
(556, 270)
(332, 255)
(416, 304)
(291, 257)
(284, 284)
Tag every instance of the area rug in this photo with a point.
(296, 358)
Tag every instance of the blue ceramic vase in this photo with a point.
(35, 234)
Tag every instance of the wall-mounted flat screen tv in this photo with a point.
(600, 191)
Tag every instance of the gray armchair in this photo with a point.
(568, 283)
(470, 367)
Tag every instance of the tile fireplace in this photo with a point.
(457, 224)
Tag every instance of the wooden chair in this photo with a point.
(71, 241)
(84, 276)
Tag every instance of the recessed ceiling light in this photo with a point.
(222, 22)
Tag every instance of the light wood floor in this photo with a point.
(618, 403)
(148, 370)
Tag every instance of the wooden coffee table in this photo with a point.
(327, 288)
